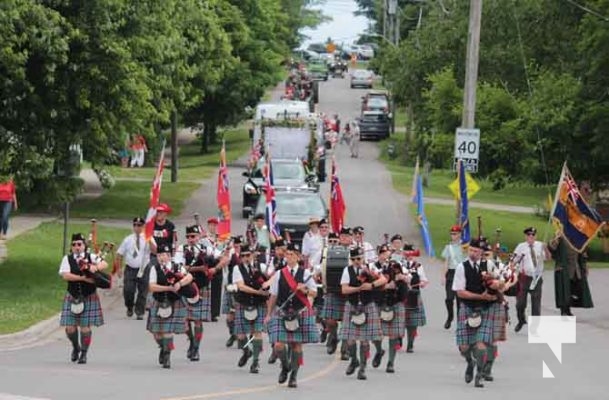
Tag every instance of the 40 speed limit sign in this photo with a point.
(467, 148)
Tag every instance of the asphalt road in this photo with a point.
(122, 359)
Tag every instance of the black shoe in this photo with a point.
(272, 357)
(447, 323)
(344, 356)
(255, 367)
(140, 317)
(167, 360)
(519, 326)
(129, 313)
(231, 340)
(352, 366)
(332, 345)
(361, 374)
(244, 357)
(409, 349)
(161, 356)
(488, 377)
(378, 357)
(83, 357)
(283, 375)
(292, 382)
(390, 369)
(469, 371)
(189, 352)
(75, 353)
(214, 319)
(477, 382)
(194, 356)
(323, 336)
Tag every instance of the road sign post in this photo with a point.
(467, 148)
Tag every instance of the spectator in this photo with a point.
(8, 200)
(138, 145)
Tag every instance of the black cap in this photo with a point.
(193, 229)
(78, 236)
(163, 249)
(323, 221)
(293, 247)
(382, 248)
(260, 248)
(356, 252)
(345, 231)
(358, 229)
(238, 239)
(530, 230)
(408, 247)
(138, 220)
(332, 235)
(259, 216)
(476, 243)
(396, 237)
(279, 242)
(245, 248)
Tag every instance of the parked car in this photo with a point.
(362, 78)
(374, 125)
(294, 208)
(376, 100)
(286, 173)
(318, 70)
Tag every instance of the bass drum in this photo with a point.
(337, 258)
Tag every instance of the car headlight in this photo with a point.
(250, 188)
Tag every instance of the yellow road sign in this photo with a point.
(472, 187)
(330, 47)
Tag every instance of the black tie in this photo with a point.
(293, 270)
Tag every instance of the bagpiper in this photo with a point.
(228, 300)
(290, 317)
(81, 306)
(415, 309)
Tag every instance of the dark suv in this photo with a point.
(376, 101)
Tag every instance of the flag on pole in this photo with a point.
(337, 201)
(423, 219)
(223, 198)
(578, 222)
(415, 178)
(155, 195)
(271, 205)
(463, 203)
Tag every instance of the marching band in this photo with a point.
(338, 289)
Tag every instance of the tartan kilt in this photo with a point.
(174, 324)
(201, 310)
(483, 333)
(245, 327)
(371, 330)
(334, 306)
(395, 328)
(499, 322)
(307, 333)
(416, 316)
(92, 314)
(228, 302)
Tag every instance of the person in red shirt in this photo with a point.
(138, 146)
(8, 201)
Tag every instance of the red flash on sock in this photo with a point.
(397, 347)
(199, 336)
(367, 354)
(300, 360)
(86, 340)
(171, 345)
(496, 353)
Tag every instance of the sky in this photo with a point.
(344, 27)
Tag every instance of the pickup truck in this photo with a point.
(374, 124)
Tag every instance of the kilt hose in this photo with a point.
(484, 333)
(395, 328)
(371, 330)
(201, 310)
(176, 323)
(306, 333)
(91, 316)
(228, 302)
(499, 322)
(334, 306)
(245, 327)
(415, 316)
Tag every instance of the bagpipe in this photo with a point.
(189, 291)
(101, 279)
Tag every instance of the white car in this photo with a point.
(366, 52)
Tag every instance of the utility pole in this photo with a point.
(471, 67)
(174, 146)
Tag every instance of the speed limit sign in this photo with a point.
(467, 148)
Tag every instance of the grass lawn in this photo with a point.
(31, 289)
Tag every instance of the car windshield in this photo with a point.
(295, 205)
(377, 102)
(281, 170)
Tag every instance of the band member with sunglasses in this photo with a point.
(81, 306)
(228, 300)
(135, 251)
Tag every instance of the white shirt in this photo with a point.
(345, 279)
(310, 283)
(527, 261)
(65, 264)
(153, 277)
(133, 257)
(453, 253)
(459, 280)
(312, 246)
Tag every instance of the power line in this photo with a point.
(588, 10)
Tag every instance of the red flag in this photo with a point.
(155, 195)
(337, 202)
(223, 198)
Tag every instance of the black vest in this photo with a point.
(360, 297)
(191, 260)
(284, 291)
(234, 261)
(161, 279)
(255, 281)
(473, 283)
(77, 289)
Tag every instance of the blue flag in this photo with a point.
(463, 207)
(423, 219)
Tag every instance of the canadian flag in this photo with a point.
(155, 195)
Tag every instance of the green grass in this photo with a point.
(400, 117)
(31, 289)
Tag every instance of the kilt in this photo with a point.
(92, 314)
(483, 333)
(416, 316)
(307, 333)
(395, 328)
(245, 327)
(201, 310)
(334, 305)
(228, 302)
(174, 324)
(499, 322)
(371, 330)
